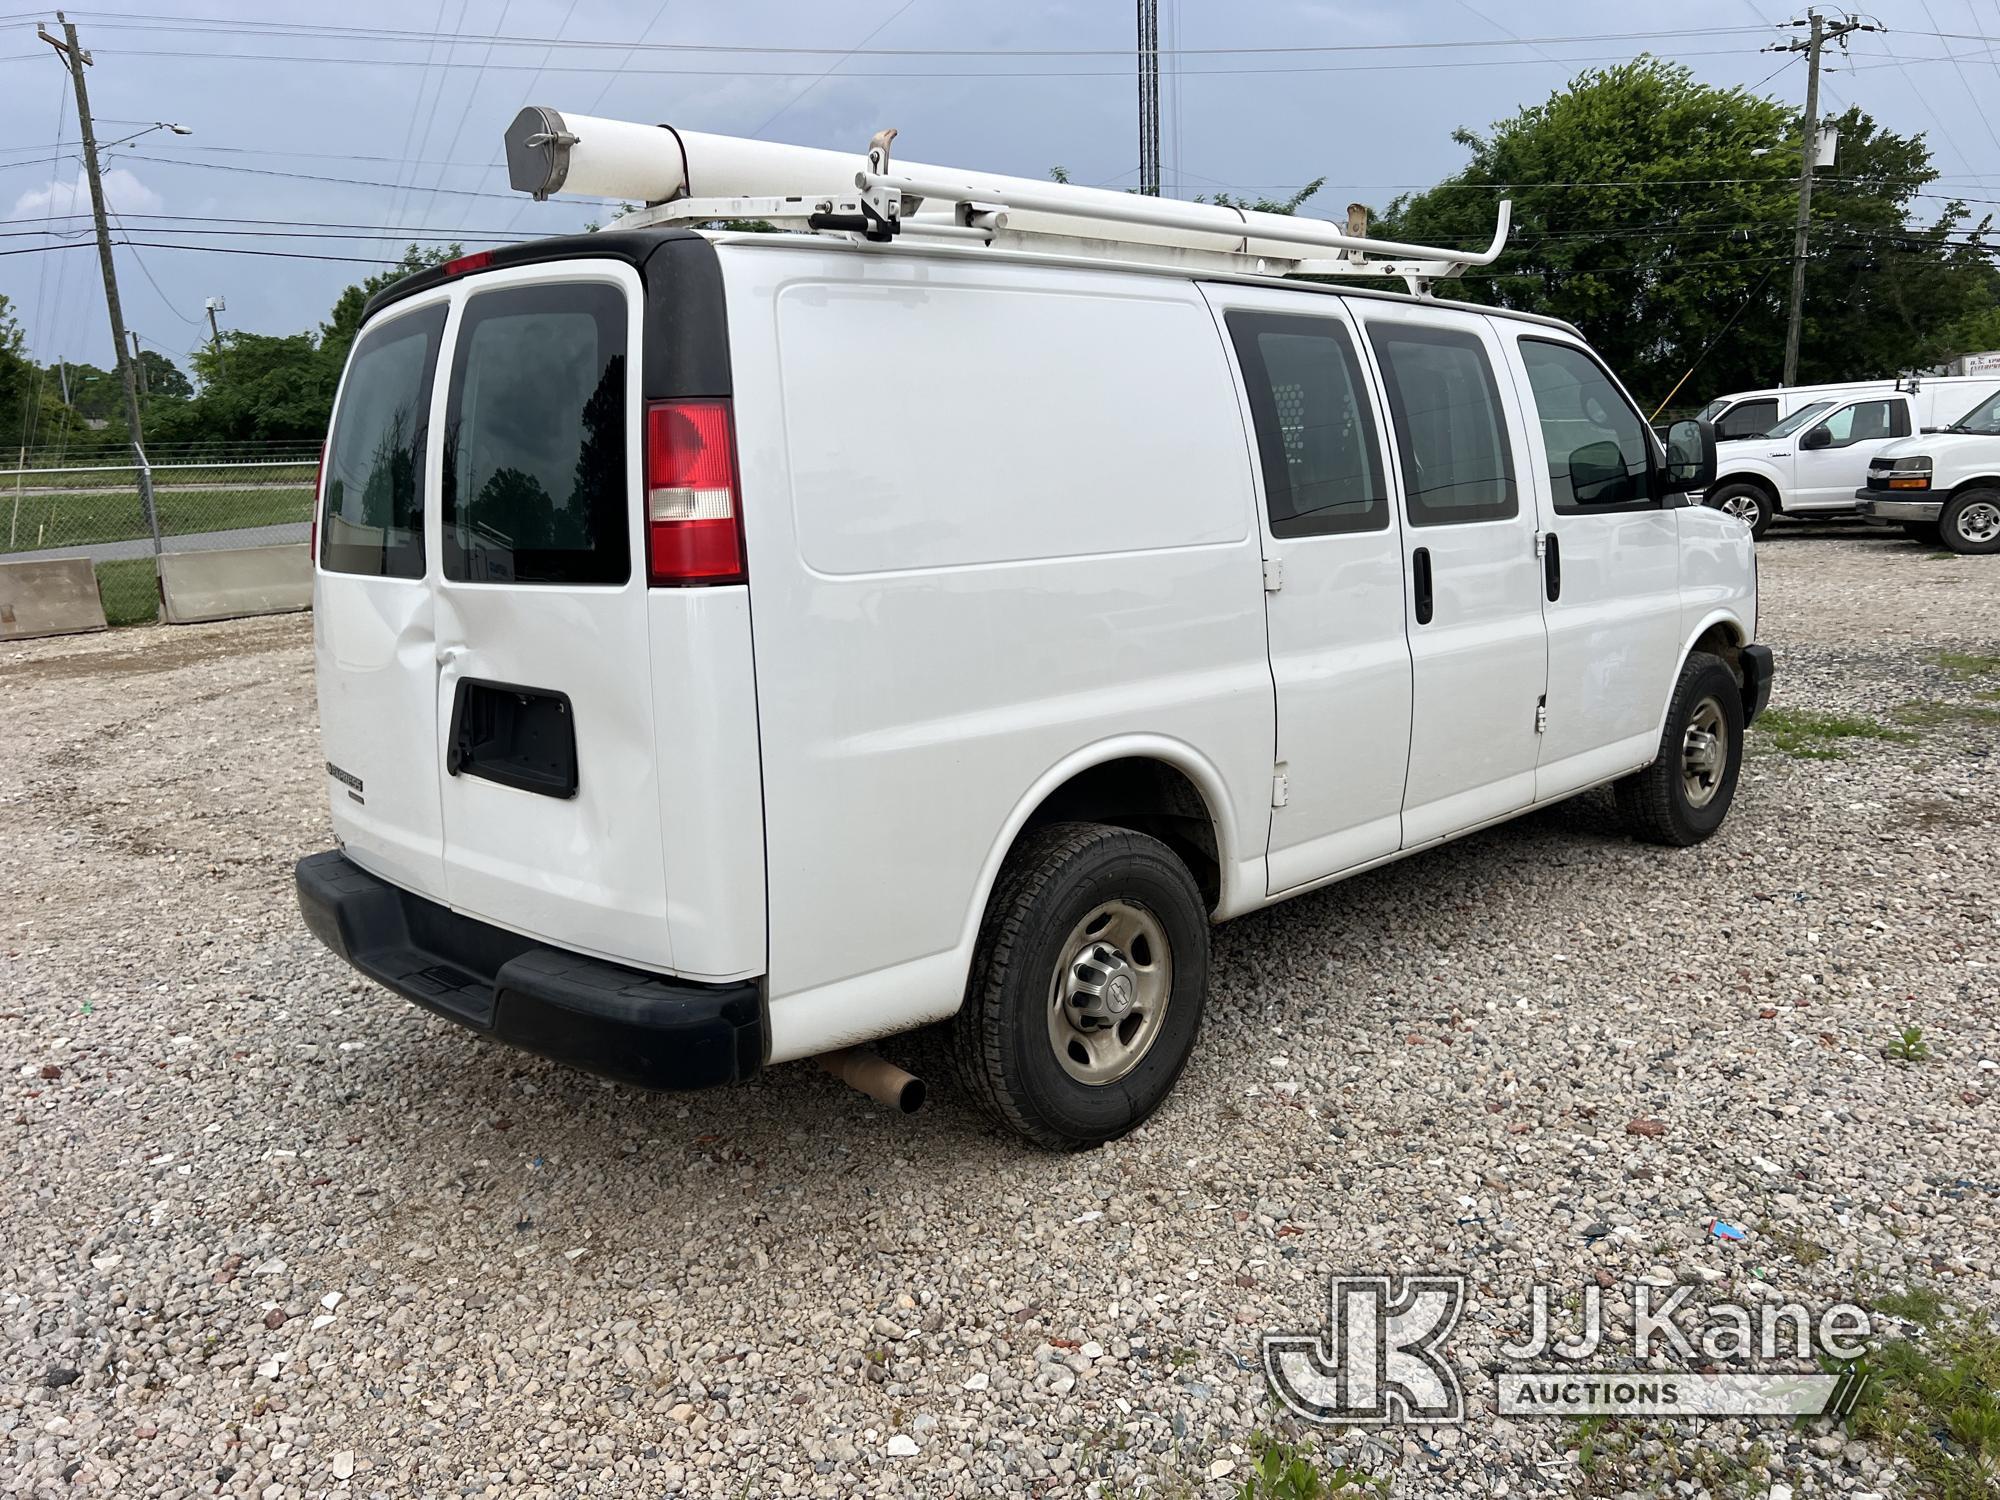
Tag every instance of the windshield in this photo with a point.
(1798, 419)
(1983, 419)
(1709, 412)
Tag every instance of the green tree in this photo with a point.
(1650, 209)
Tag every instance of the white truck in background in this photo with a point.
(1942, 487)
(1811, 459)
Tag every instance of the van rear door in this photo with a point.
(373, 607)
(544, 716)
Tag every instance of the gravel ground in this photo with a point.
(273, 1231)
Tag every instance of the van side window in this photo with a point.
(1748, 419)
(534, 460)
(1868, 419)
(1598, 449)
(1315, 435)
(373, 520)
(1452, 434)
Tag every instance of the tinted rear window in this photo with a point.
(1457, 465)
(535, 482)
(374, 508)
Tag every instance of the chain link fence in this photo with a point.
(98, 511)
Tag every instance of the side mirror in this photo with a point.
(1816, 437)
(1690, 457)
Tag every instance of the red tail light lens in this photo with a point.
(319, 482)
(694, 525)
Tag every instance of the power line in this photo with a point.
(785, 108)
(119, 21)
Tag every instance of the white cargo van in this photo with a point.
(1942, 487)
(733, 647)
(1809, 460)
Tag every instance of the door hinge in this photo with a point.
(1280, 788)
(1542, 715)
(1274, 574)
(1541, 545)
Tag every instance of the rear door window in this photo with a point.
(1457, 465)
(1748, 419)
(373, 517)
(535, 485)
(1322, 465)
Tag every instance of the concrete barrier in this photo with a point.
(229, 582)
(56, 597)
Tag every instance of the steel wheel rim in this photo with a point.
(1704, 752)
(1743, 507)
(1979, 522)
(1109, 995)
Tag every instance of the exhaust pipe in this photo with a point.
(876, 1077)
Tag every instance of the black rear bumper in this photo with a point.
(620, 1023)
(1758, 668)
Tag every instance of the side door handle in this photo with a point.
(1420, 583)
(1552, 566)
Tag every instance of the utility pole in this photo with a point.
(76, 59)
(139, 364)
(214, 306)
(1149, 98)
(1819, 32)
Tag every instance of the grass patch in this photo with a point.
(1908, 1046)
(1933, 715)
(1935, 1398)
(75, 517)
(131, 591)
(1621, 1456)
(1968, 663)
(1287, 1471)
(1817, 736)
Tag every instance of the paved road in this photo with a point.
(245, 536)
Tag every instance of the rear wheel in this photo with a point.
(1923, 531)
(1683, 796)
(1087, 985)
(1747, 503)
(1970, 521)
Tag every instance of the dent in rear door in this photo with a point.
(542, 592)
(374, 610)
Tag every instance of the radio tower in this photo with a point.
(1149, 98)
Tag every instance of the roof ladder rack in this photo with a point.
(690, 178)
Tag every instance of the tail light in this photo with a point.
(319, 481)
(694, 526)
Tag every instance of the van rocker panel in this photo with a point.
(623, 1024)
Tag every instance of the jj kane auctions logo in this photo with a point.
(1381, 1356)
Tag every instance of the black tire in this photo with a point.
(1744, 495)
(1657, 804)
(1923, 531)
(1002, 1038)
(1970, 521)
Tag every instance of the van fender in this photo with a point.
(1241, 879)
(1738, 636)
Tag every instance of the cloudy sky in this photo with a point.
(345, 131)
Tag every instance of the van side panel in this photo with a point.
(997, 516)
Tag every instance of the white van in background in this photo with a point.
(1942, 487)
(733, 647)
(1752, 414)
(1812, 461)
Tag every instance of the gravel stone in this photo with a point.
(213, 1126)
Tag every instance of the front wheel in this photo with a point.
(1747, 503)
(1683, 796)
(1087, 985)
(1970, 521)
